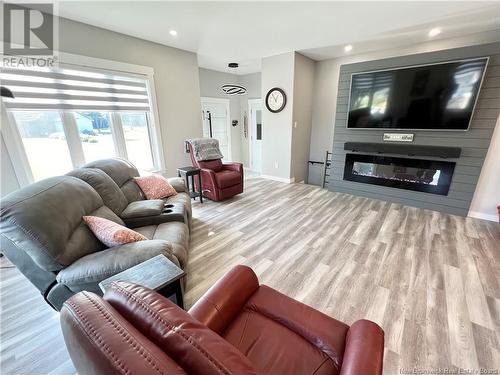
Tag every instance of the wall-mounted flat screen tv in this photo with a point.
(438, 96)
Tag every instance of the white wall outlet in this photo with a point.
(276, 165)
(295, 124)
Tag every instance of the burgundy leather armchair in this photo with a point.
(219, 181)
(237, 327)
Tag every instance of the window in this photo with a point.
(94, 129)
(136, 132)
(45, 143)
(68, 116)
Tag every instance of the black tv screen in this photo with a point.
(428, 97)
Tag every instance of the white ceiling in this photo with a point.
(244, 32)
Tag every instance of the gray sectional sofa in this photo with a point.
(42, 231)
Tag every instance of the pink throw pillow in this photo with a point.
(110, 233)
(155, 186)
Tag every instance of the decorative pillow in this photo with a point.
(155, 186)
(110, 233)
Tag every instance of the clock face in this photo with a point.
(275, 100)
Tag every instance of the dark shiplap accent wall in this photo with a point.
(474, 143)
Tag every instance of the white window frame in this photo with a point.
(15, 146)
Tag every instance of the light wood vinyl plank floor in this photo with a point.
(431, 280)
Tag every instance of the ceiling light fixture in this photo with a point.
(231, 88)
(173, 32)
(434, 32)
(348, 48)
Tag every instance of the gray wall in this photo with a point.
(303, 86)
(277, 71)
(474, 143)
(210, 86)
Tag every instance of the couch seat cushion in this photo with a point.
(88, 271)
(273, 326)
(174, 232)
(227, 178)
(143, 208)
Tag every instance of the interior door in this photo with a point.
(256, 136)
(216, 123)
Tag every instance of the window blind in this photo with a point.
(74, 88)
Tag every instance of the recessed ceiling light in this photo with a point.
(348, 48)
(434, 32)
(173, 32)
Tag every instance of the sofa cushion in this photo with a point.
(196, 348)
(155, 186)
(226, 178)
(150, 207)
(110, 233)
(109, 191)
(87, 272)
(120, 170)
(122, 173)
(176, 233)
(214, 165)
(44, 219)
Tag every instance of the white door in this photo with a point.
(216, 123)
(255, 110)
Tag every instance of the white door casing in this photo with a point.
(255, 144)
(221, 123)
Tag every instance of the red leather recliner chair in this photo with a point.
(238, 327)
(219, 181)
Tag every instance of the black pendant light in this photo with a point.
(231, 88)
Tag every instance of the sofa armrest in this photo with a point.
(237, 167)
(223, 301)
(178, 184)
(364, 349)
(101, 341)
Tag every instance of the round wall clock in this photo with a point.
(275, 100)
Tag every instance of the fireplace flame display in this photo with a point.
(394, 172)
(430, 176)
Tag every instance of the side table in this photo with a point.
(192, 171)
(157, 273)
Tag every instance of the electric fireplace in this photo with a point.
(430, 176)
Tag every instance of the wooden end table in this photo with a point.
(157, 273)
(192, 171)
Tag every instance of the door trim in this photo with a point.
(251, 104)
(206, 99)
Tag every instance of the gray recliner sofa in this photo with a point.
(42, 232)
(113, 179)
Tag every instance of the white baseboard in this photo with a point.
(279, 179)
(480, 215)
